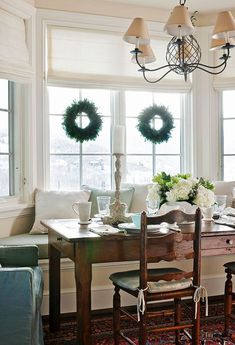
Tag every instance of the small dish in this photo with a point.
(185, 224)
(84, 223)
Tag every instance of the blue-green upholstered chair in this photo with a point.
(21, 290)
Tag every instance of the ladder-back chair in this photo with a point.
(161, 284)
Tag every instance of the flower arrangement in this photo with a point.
(181, 187)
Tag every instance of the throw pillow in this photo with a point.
(55, 204)
(139, 199)
(125, 196)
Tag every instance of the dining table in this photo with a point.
(85, 247)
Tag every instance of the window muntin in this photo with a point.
(151, 158)
(73, 164)
(227, 137)
(6, 139)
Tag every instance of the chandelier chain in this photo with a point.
(182, 2)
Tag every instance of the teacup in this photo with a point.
(136, 219)
(83, 210)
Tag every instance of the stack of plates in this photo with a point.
(131, 228)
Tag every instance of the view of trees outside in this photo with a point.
(4, 138)
(228, 142)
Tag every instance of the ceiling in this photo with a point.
(203, 6)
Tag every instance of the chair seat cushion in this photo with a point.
(130, 280)
(230, 265)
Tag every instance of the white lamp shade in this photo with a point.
(225, 24)
(217, 44)
(137, 30)
(179, 22)
(147, 55)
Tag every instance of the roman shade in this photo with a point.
(94, 55)
(13, 47)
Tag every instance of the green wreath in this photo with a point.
(151, 134)
(91, 131)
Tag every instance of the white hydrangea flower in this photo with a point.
(153, 192)
(180, 190)
(205, 197)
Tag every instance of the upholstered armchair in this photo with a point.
(21, 289)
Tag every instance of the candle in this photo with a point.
(119, 139)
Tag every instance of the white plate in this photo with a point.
(133, 228)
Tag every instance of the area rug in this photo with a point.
(211, 332)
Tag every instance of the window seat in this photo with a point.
(26, 239)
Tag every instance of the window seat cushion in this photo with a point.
(26, 239)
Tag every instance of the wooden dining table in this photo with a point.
(85, 248)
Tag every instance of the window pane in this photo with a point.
(4, 94)
(97, 171)
(229, 131)
(173, 144)
(169, 100)
(102, 143)
(135, 142)
(169, 164)
(101, 98)
(4, 140)
(4, 173)
(228, 103)
(60, 98)
(139, 169)
(64, 172)
(229, 168)
(137, 101)
(59, 141)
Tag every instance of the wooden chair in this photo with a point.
(158, 284)
(229, 296)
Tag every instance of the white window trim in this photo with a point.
(24, 75)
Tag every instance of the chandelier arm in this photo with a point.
(154, 69)
(214, 73)
(172, 67)
(213, 67)
(155, 81)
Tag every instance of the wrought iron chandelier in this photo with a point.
(183, 54)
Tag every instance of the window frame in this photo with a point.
(118, 118)
(222, 120)
(11, 139)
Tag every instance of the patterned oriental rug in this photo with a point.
(211, 331)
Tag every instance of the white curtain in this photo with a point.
(13, 48)
(80, 53)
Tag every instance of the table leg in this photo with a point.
(54, 288)
(83, 276)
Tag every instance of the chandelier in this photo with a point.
(183, 53)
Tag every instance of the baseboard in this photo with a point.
(212, 300)
(102, 296)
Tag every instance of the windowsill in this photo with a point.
(11, 207)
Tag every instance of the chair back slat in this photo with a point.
(173, 246)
